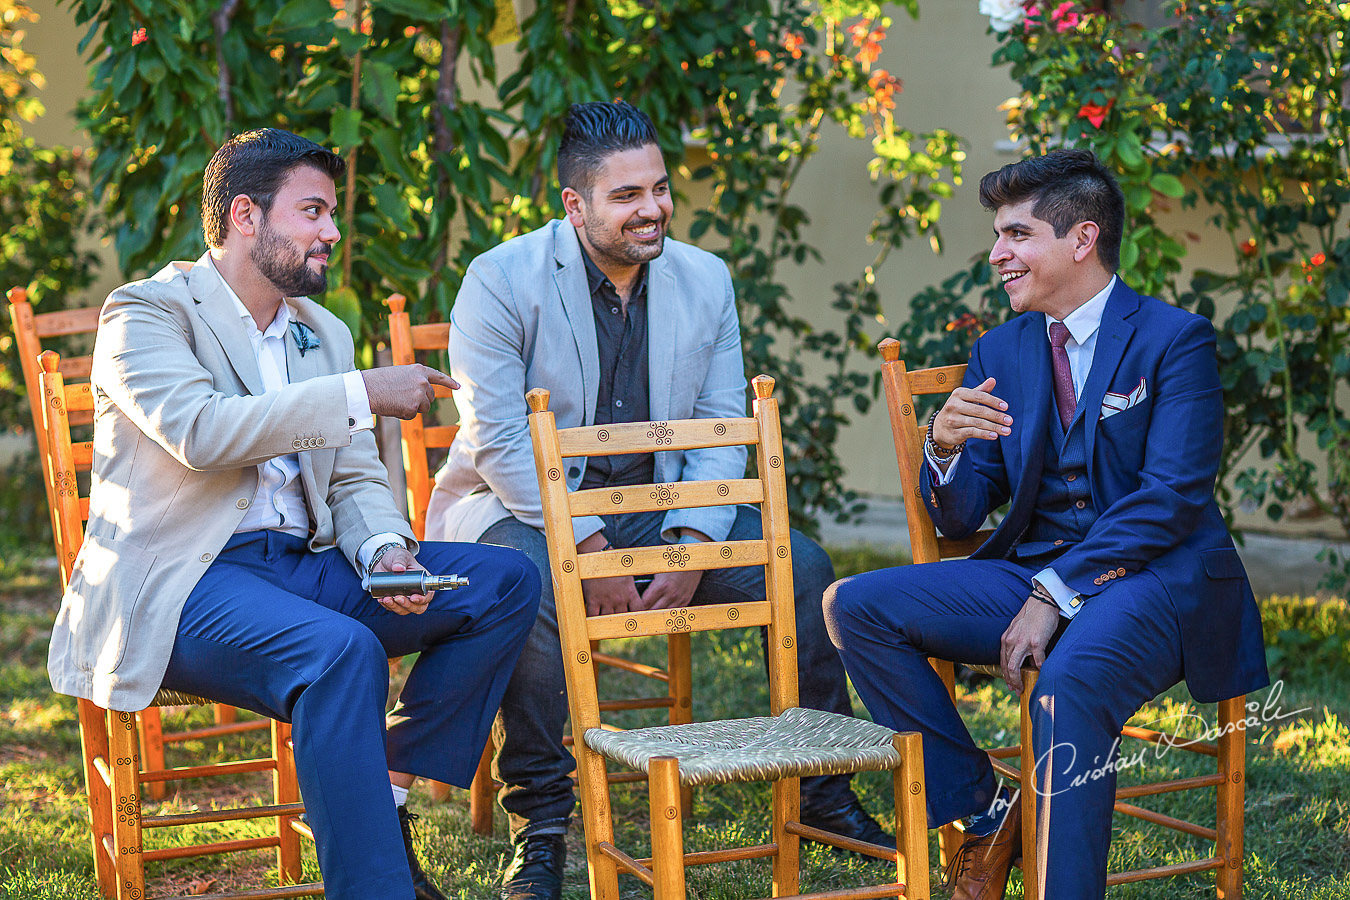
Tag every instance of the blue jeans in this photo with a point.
(290, 634)
(531, 760)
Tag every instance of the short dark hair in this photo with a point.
(255, 163)
(1068, 187)
(594, 131)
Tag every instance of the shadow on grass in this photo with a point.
(1297, 801)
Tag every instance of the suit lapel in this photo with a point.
(1032, 420)
(569, 278)
(1113, 336)
(660, 352)
(220, 315)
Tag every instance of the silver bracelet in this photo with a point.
(379, 553)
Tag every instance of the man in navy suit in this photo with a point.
(1098, 414)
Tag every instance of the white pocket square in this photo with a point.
(1117, 403)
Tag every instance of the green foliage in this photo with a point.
(1239, 108)
(1305, 636)
(45, 211)
(453, 155)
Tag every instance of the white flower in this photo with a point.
(1003, 14)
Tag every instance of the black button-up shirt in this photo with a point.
(624, 392)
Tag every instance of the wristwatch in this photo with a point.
(379, 553)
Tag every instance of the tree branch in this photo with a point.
(220, 23)
(443, 138)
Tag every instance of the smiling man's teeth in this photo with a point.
(1009, 276)
(645, 229)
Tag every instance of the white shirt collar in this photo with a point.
(277, 327)
(1084, 321)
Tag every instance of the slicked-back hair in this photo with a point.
(255, 164)
(593, 132)
(1066, 187)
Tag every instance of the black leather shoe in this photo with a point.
(536, 870)
(849, 820)
(423, 889)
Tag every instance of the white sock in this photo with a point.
(400, 795)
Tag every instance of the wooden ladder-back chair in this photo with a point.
(406, 341)
(781, 748)
(114, 780)
(30, 331)
(902, 386)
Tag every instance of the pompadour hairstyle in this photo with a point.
(1066, 187)
(255, 164)
(594, 131)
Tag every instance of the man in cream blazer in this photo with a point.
(238, 505)
(621, 324)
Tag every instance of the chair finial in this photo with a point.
(396, 302)
(49, 360)
(763, 386)
(538, 400)
(17, 295)
(890, 349)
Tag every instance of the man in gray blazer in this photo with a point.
(238, 507)
(621, 324)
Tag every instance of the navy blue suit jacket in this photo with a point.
(1151, 467)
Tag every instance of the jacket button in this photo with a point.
(206, 557)
(1071, 477)
(241, 503)
(297, 444)
(1097, 580)
(574, 472)
(319, 443)
(1110, 575)
(1121, 571)
(1081, 504)
(1057, 543)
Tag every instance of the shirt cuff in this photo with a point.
(359, 417)
(368, 548)
(941, 476)
(1069, 601)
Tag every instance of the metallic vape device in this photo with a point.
(394, 584)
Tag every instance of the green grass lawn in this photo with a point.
(1298, 776)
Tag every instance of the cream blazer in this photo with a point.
(181, 423)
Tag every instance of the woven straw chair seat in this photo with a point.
(797, 743)
(991, 671)
(178, 698)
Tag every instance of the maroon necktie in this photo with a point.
(1064, 395)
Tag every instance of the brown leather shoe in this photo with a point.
(980, 868)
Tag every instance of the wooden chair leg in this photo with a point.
(482, 793)
(126, 827)
(1233, 766)
(285, 789)
(911, 817)
(663, 778)
(598, 822)
(94, 743)
(681, 691)
(152, 748)
(1032, 870)
(787, 807)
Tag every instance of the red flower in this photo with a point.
(793, 44)
(410, 31)
(139, 37)
(1248, 247)
(1318, 259)
(884, 87)
(1094, 113)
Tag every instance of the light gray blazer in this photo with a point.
(523, 320)
(181, 423)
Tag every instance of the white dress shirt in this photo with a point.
(1083, 324)
(279, 500)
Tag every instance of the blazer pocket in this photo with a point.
(1222, 562)
(106, 585)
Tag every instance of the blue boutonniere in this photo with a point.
(305, 338)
